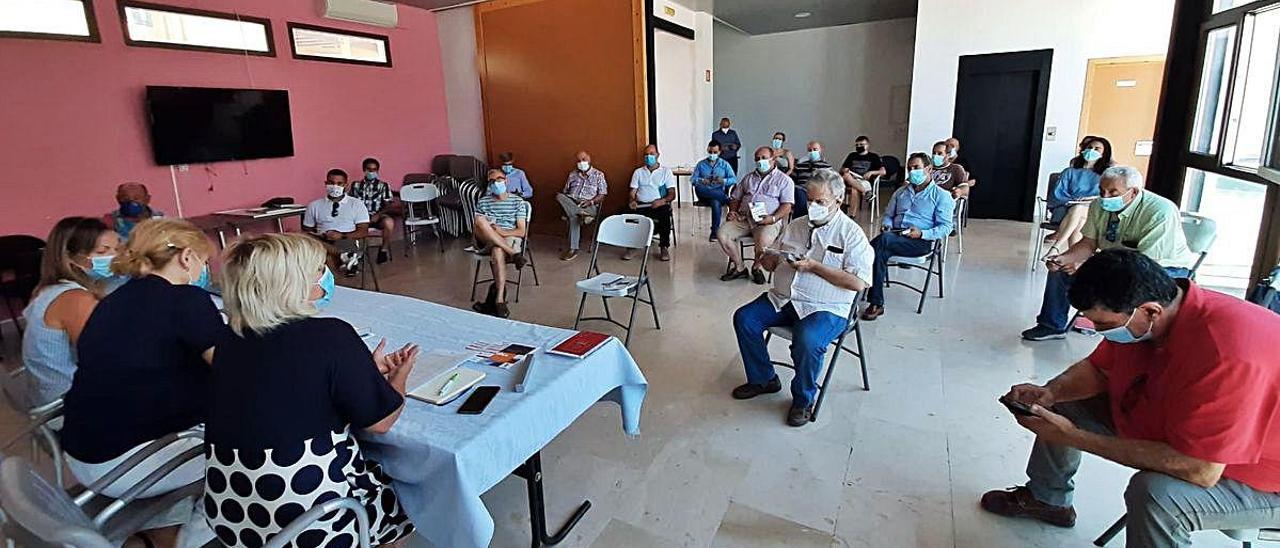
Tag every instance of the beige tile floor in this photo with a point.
(901, 465)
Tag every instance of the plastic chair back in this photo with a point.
(892, 167)
(39, 514)
(418, 193)
(626, 230)
(1200, 231)
(20, 257)
(1053, 185)
(414, 178)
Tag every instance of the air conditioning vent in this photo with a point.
(361, 11)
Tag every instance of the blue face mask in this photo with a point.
(498, 188)
(939, 159)
(650, 159)
(916, 176)
(101, 269)
(371, 176)
(714, 157)
(132, 209)
(1113, 204)
(762, 166)
(1122, 335)
(1091, 155)
(815, 155)
(205, 281)
(777, 143)
(326, 285)
(508, 168)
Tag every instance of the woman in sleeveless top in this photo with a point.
(76, 259)
(785, 160)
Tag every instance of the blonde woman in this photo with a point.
(289, 392)
(144, 362)
(77, 257)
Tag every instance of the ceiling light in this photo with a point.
(802, 14)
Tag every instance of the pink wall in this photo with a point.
(72, 126)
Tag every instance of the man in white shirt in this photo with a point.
(339, 220)
(653, 188)
(820, 263)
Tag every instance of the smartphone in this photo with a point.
(1016, 407)
(478, 400)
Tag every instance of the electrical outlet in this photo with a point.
(1051, 133)
(184, 168)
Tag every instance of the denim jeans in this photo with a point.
(717, 195)
(811, 336)
(1054, 307)
(892, 244)
(1162, 510)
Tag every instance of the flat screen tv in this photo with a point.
(199, 125)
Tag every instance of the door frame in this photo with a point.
(1090, 75)
(1041, 61)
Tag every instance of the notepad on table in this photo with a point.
(438, 378)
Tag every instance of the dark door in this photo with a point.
(1000, 105)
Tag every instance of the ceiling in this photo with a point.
(766, 16)
(431, 4)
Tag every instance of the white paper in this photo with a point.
(430, 365)
(758, 211)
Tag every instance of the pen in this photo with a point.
(447, 383)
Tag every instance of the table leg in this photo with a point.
(280, 224)
(531, 471)
(222, 238)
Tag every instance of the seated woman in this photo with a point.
(785, 160)
(77, 258)
(1068, 205)
(144, 364)
(289, 392)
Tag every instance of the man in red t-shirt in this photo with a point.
(1185, 388)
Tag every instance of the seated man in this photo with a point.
(953, 152)
(378, 199)
(812, 161)
(135, 207)
(859, 169)
(653, 188)
(712, 179)
(341, 221)
(759, 203)
(1125, 216)
(583, 192)
(517, 181)
(500, 230)
(819, 263)
(948, 175)
(1190, 404)
(919, 214)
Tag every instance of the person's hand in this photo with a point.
(767, 220)
(403, 361)
(1049, 427)
(660, 202)
(733, 216)
(634, 204)
(1031, 394)
(884, 229)
(332, 235)
(804, 265)
(769, 261)
(388, 362)
(914, 233)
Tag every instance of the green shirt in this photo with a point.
(1151, 224)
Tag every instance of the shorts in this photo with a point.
(515, 243)
(859, 183)
(732, 230)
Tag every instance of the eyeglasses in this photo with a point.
(1133, 394)
(1113, 227)
(334, 213)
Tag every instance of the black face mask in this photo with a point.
(860, 148)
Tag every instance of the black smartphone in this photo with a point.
(478, 400)
(1016, 407)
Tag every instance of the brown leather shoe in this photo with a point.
(569, 255)
(871, 312)
(1018, 502)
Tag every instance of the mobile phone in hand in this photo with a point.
(1016, 407)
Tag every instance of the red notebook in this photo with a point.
(580, 345)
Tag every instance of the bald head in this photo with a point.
(133, 192)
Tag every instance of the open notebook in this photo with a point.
(438, 378)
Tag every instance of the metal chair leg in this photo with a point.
(924, 292)
(605, 301)
(581, 304)
(942, 268)
(475, 280)
(1111, 532)
(653, 304)
(635, 302)
(519, 280)
(862, 357)
(826, 379)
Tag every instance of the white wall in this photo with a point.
(1077, 31)
(457, 31)
(829, 84)
(684, 95)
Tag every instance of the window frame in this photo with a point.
(129, 41)
(293, 44)
(91, 20)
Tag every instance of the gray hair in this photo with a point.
(829, 179)
(1131, 176)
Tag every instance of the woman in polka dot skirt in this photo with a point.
(289, 393)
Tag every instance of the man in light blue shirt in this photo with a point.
(918, 214)
(712, 178)
(517, 181)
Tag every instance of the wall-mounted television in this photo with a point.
(197, 125)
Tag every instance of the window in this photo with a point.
(50, 19)
(1236, 206)
(341, 46)
(152, 25)
(1254, 90)
(1224, 5)
(1213, 91)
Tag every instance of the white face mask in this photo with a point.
(334, 191)
(583, 166)
(821, 214)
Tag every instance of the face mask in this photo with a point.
(819, 214)
(1122, 334)
(1113, 204)
(583, 166)
(939, 159)
(650, 159)
(132, 209)
(815, 155)
(101, 268)
(777, 143)
(508, 168)
(714, 157)
(371, 176)
(334, 191)
(954, 152)
(724, 130)
(326, 285)
(916, 176)
(204, 280)
(762, 166)
(860, 149)
(1091, 155)
(498, 187)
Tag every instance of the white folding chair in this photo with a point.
(961, 215)
(526, 249)
(854, 327)
(622, 231)
(932, 265)
(1246, 536)
(1200, 232)
(16, 387)
(415, 196)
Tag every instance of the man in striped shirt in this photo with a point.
(499, 231)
